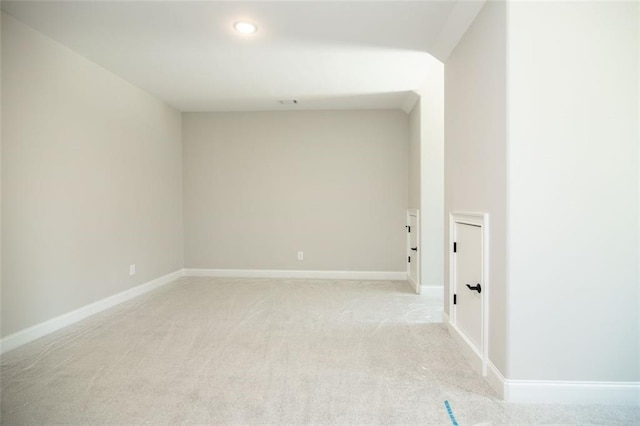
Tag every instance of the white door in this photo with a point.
(413, 259)
(468, 282)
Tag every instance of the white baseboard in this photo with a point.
(546, 392)
(30, 334)
(495, 379)
(517, 391)
(413, 284)
(564, 392)
(271, 273)
(466, 347)
(436, 292)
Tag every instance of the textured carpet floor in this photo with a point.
(249, 351)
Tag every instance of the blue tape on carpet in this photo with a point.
(451, 416)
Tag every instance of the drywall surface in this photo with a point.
(259, 187)
(415, 119)
(573, 203)
(0, 177)
(91, 181)
(475, 152)
(432, 177)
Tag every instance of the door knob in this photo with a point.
(476, 287)
(414, 248)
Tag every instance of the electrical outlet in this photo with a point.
(300, 255)
(132, 269)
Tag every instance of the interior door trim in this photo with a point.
(481, 220)
(417, 285)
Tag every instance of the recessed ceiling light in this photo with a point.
(245, 27)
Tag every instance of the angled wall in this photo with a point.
(476, 152)
(91, 181)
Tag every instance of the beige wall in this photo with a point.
(432, 177)
(415, 140)
(475, 152)
(0, 176)
(573, 167)
(91, 181)
(569, 74)
(259, 187)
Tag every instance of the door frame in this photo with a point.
(479, 357)
(416, 285)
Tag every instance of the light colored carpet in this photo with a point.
(256, 351)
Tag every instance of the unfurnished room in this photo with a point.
(320, 212)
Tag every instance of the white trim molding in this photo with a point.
(32, 333)
(562, 392)
(495, 379)
(37, 331)
(569, 392)
(415, 284)
(468, 349)
(272, 273)
(481, 220)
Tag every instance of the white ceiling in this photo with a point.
(327, 55)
